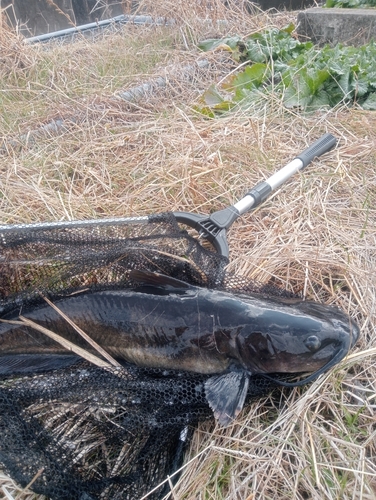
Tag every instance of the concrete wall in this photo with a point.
(284, 4)
(348, 26)
(35, 17)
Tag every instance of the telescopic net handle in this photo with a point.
(260, 192)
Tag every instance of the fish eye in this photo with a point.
(313, 343)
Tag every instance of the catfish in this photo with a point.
(165, 323)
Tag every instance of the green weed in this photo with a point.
(297, 73)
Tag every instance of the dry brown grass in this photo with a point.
(316, 235)
(14, 57)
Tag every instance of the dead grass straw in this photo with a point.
(316, 235)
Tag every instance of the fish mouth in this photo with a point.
(347, 342)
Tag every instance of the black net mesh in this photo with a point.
(61, 259)
(83, 432)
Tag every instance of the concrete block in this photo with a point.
(348, 26)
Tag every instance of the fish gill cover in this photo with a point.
(78, 431)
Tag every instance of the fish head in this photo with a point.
(304, 337)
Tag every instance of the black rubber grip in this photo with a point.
(318, 148)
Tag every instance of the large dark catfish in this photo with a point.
(166, 323)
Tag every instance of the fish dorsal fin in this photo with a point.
(161, 281)
(226, 395)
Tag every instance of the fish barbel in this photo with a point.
(169, 324)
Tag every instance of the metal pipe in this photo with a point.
(6, 228)
(124, 19)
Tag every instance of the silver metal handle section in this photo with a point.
(245, 204)
(74, 223)
(285, 173)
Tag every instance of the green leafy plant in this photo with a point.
(351, 4)
(299, 74)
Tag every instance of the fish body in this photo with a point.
(168, 324)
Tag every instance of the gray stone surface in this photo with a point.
(35, 17)
(348, 26)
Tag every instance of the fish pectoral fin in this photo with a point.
(159, 281)
(226, 395)
(32, 363)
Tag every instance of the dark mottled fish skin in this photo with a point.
(164, 323)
